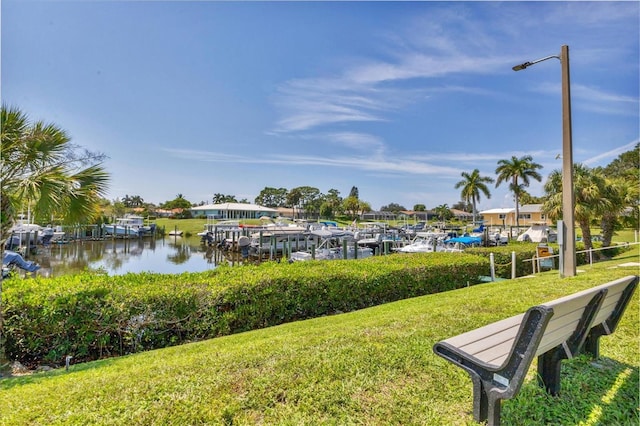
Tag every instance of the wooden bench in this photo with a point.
(498, 355)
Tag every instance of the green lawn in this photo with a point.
(370, 367)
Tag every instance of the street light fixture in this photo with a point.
(566, 235)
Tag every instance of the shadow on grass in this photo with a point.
(35, 377)
(593, 392)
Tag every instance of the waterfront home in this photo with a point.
(233, 211)
(504, 217)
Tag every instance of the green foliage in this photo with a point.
(93, 316)
(370, 367)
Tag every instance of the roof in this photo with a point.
(531, 208)
(498, 211)
(235, 206)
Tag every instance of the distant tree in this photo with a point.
(326, 210)
(622, 194)
(589, 189)
(463, 205)
(526, 198)
(334, 200)
(222, 198)
(305, 197)
(517, 171)
(119, 208)
(354, 192)
(623, 173)
(272, 197)
(393, 207)
(625, 165)
(351, 206)
(177, 203)
(137, 201)
(443, 212)
(419, 208)
(472, 185)
(132, 201)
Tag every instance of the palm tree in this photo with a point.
(514, 171)
(589, 188)
(472, 185)
(443, 212)
(621, 193)
(42, 170)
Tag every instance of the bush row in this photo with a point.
(91, 316)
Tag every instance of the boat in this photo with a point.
(425, 242)
(277, 238)
(176, 233)
(23, 233)
(539, 233)
(460, 243)
(330, 245)
(128, 226)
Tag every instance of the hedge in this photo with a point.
(92, 316)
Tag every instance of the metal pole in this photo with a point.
(568, 252)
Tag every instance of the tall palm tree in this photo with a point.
(472, 185)
(590, 191)
(518, 172)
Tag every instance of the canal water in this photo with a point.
(168, 255)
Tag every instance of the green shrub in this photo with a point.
(92, 316)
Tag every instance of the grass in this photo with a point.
(371, 367)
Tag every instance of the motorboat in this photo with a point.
(277, 238)
(330, 245)
(539, 233)
(425, 242)
(128, 226)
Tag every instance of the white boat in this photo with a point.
(425, 242)
(23, 231)
(176, 233)
(330, 246)
(129, 226)
(539, 233)
(276, 238)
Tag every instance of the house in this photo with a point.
(504, 217)
(168, 212)
(378, 215)
(532, 213)
(233, 211)
(461, 215)
(419, 215)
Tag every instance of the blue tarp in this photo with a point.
(465, 240)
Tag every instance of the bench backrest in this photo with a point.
(493, 343)
(568, 310)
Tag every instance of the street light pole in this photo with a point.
(568, 252)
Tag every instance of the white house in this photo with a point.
(233, 211)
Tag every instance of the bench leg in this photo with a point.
(485, 407)
(592, 344)
(549, 370)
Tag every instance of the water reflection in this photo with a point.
(167, 255)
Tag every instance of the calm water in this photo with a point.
(168, 255)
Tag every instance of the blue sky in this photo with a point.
(395, 98)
